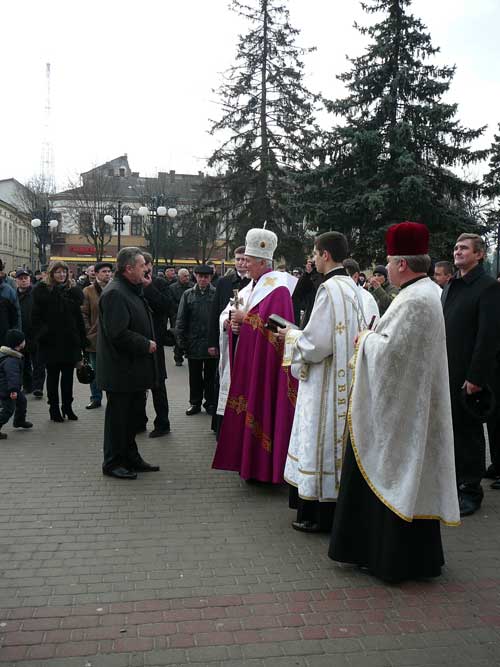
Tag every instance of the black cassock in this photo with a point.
(367, 533)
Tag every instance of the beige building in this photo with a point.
(16, 238)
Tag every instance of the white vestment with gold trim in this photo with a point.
(400, 413)
(319, 356)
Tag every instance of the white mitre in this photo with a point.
(260, 243)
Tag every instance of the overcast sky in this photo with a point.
(137, 77)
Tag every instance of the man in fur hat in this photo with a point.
(398, 474)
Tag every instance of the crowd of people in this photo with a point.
(365, 392)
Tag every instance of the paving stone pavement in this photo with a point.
(191, 565)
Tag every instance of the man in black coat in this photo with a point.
(304, 294)
(126, 363)
(234, 279)
(25, 298)
(471, 303)
(177, 289)
(157, 294)
(192, 333)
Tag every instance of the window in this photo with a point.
(136, 226)
(84, 222)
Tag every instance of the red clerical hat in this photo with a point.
(407, 238)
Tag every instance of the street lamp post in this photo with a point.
(119, 217)
(44, 226)
(157, 215)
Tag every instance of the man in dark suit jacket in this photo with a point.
(126, 363)
(234, 279)
(471, 303)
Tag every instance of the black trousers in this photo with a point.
(201, 381)
(120, 421)
(470, 447)
(27, 372)
(178, 356)
(38, 368)
(494, 425)
(9, 407)
(160, 403)
(312, 510)
(65, 372)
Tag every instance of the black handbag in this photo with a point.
(85, 373)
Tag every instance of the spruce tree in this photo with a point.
(395, 154)
(491, 188)
(267, 123)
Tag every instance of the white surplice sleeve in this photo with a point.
(315, 342)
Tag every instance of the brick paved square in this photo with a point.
(194, 566)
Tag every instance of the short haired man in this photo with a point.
(192, 334)
(87, 277)
(443, 273)
(381, 289)
(126, 365)
(10, 313)
(25, 298)
(215, 275)
(398, 478)
(177, 289)
(157, 294)
(471, 303)
(305, 293)
(370, 307)
(315, 451)
(234, 280)
(170, 276)
(90, 311)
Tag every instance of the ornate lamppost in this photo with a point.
(44, 226)
(156, 211)
(118, 216)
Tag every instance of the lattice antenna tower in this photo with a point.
(47, 171)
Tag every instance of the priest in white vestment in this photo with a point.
(319, 358)
(398, 475)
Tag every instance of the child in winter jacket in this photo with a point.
(12, 399)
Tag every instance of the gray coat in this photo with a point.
(124, 363)
(191, 324)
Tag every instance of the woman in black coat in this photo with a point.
(60, 332)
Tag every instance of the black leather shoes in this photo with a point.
(193, 410)
(158, 432)
(491, 472)
(210, 410)
(467, 506)
(93, 405)
(38, 393)
(143, 466)
(306, 526)
(23, 424)
(495, 485)
(120, 473)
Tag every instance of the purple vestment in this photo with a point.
(261, 402)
